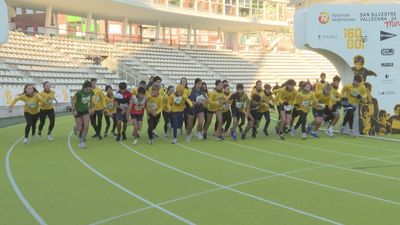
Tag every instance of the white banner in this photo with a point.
(371, 31)
(3, 22)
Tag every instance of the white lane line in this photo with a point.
(315, 162)
(335, 152)
(17, 191)
(123, 188)
(291, 177)
(232, 189)
(364, 146)
(198, 194)
(231, 185)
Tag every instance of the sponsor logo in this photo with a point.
(328, 36)
(355, 38)
(392, 23)
(323, 18)
(387, 51)
(387, 92)
(387, 64)
(386, 35)
(377, 16)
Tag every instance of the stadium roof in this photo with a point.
(143, 12)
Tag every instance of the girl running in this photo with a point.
(167, 114)
(285, 98)
(214, 106)
(47, 110)
(198, 97)
(110, 112)
(154, 105)
(32, 99)
(176, 104)
(82, 107)
(136, 106)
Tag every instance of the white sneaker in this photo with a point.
(151, 141)
(330, 132)
(341, 129)
(292, 131)
(82, 145)
(25, 141)
(188, 138)
(135, 142)
(49, 137)
(174, 141)
(40, 137)
(33, 139)
(304, 136)
(353, 133)
(199, 136)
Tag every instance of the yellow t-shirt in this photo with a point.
(98, 99)
(350, 92)
(336, 94)
(166, 108)
(215, 101)
(226, 103)
(265, 101)
(32, 104)
(154, 103)
(320, 100)
(111, 108)
(282, 96)
(178, 103)
(260, 93)
(48, 97)
(319, 86)
(304, 100)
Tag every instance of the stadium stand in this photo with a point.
(67, 62)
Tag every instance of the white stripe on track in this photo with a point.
(232, 189)
(316, 162)
(231, 185)
(123, 188)
(14, 185)
(291, 177)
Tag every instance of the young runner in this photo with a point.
(47, 110)
(239, 105)
(198, 97)
(154, 106)
(137, 106)
(285, 99)
(32, 99)
(214, 106)
(110, 112)
(82, 106)
(352, 94)
(266, 105)
(122, 99)
(99, 105)
(167, 114)
(177, 104)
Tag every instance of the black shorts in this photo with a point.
(282, 108)
(80, 114)
(120, 116)
(256, 115)
(319, 112)
(138, 117)
(237, 114)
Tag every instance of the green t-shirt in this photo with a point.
(83, 100)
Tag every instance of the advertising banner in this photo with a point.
(367, 38)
